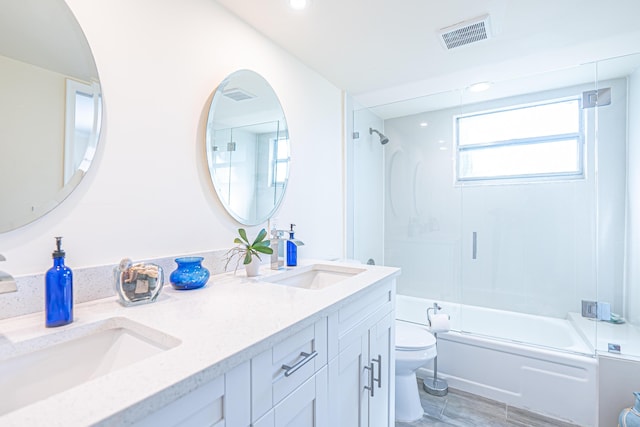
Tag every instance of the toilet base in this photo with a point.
(408, 407)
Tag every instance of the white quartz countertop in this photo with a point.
(227, 322)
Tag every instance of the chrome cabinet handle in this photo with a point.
(371, 380)
(306, 358)
(379, 362)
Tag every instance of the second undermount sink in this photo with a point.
(42, 367)
(315, 277)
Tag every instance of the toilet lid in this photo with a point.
(413, 337)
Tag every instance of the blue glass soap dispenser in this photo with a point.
(58, 290)
(292, 249)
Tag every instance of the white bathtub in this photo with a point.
(531, 362)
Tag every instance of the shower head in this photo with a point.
(383, 139)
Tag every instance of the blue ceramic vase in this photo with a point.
(190, 273)
(630, 417)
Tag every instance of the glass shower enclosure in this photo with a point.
(521, 200)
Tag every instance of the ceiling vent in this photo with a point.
(238, 94)
(464, 33)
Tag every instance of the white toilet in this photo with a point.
(415, 346)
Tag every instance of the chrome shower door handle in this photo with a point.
(371, 379)
(306, 358)
(379, 362)
(474, 245)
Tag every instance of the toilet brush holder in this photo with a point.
(434, 385)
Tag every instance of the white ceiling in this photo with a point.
(383, 50)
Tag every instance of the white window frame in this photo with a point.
(275, 161)
(531, 177)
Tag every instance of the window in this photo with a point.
(279, 161)
(531, 142)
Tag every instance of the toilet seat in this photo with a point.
(413, 337)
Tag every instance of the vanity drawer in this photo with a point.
(277, 372)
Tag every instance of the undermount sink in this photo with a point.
(42, 367)
(315, 277)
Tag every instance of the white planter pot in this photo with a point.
(253, 267)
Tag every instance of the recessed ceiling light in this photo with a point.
(298, 4)
(424, 124)
(480, 86)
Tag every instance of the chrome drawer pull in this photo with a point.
(371, 380)
(289, 370)
(379, 362)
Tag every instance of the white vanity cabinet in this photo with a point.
(223, 402)
(361, 366)
(342, 369)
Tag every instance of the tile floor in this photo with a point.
(461, 409)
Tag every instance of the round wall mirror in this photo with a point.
(247, 144)
(50, 108)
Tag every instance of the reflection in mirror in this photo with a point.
(247, 143)
(50, 109)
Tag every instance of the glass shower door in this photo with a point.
(617, 95)
(526, 166)
(365, 189)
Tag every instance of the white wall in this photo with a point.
(148, 193)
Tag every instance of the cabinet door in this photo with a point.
(382, 360)
(304, 407)
(347, 381)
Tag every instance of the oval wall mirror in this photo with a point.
(50, 109)
(247, 144)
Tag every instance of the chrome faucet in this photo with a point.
(277, 236)
(7, 282)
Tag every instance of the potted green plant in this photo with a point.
(249, 252)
